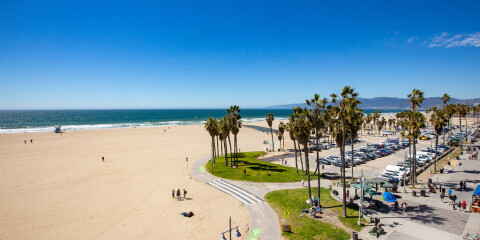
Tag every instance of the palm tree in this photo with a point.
(290, 127)
(461, 111)
(414, 121)
(353, 126)
(347, 101)
(303, 127)
(376, 117)
(236, 123)
(224, 129)
(281, 130)
(438, 121)
(269, 118)
(449, 112)
(211, 127)
(415, 98)
(319, 126)
(445, 98)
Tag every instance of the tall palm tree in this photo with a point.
(303, 127)
(281, 130)
(269, 118)
(461, 111)
(211, 127)
(445, 98)
(438, 121)
(449, 112)
(415, 98)
(415, 122)
(224, 128)
(347, 101)
(376, 118)
(236, 123)
(318, 125)
(290, 127)
(353, 126)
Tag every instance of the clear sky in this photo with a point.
(209, 54)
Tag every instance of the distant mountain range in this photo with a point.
(394, 103)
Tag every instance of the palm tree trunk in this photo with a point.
(236, 149)
(318, 167)
(213, 152)
(226, 152)
(344, 212)
(305, 147)
(461, 134)
(353, 163)
(415, 163)
(218, 148)
(231, 152)
(273, 143)
(436, 154)
(296, 162)
(301, 160)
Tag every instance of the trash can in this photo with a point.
(355, 235)
(441, 170)
(414, 193)
(286, 228)
(423, 193)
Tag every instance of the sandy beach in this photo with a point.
(58, 187)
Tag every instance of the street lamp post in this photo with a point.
(236, 234)
(360, 205)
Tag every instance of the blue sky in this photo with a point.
(213, 54)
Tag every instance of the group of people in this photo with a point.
(453, 198)
(404, 206)
(25, 141)
(476, 204)
(179, 194)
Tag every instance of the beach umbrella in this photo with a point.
(388, 197)
(477, 191)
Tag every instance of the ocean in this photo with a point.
(19, 121)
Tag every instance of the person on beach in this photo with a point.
(303, 182)
(173, 193)
(464, 206)
(103, 159)
(31, 140)
(178, 194)
(404, 206)
(395, 205)
(25, 141)
(184, 193)
(461, 185)
(244, 171)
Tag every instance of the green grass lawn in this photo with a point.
(307, 228)
(257, 170)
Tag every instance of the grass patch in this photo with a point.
(257, 170)
(304, 227)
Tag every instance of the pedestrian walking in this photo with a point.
(244, 171)
(454, 198)
(464, 206)
(442, 196)
(285, 161)
(461, 185)
(440, 188)
(173, 193)
(348, 192)
(404, 206)
(178, 194)
(282, 160)
(395, 205)
(103, 159)
(464, 186)
(184, 193)
(31, 140)
(450, 198)
(25, 141)
(303, 183)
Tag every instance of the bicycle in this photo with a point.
(471, 236)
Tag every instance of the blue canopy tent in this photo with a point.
(388, 197)
(477, 191)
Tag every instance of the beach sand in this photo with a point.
(58, 187)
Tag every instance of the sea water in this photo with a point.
(18, 121)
